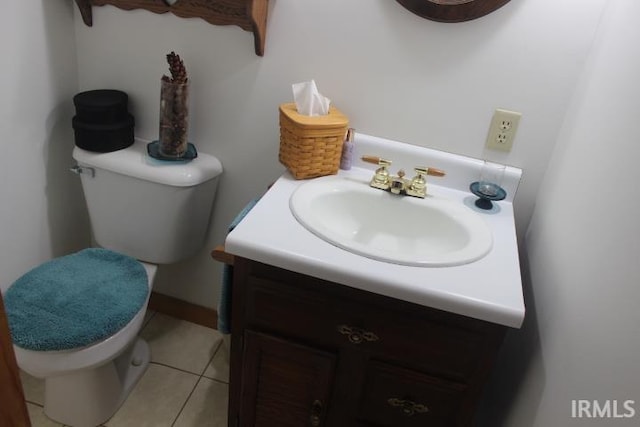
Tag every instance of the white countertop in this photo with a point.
(488, 289)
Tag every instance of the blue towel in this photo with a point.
(75, 300)
(224, 305)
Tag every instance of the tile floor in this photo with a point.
(186, 384)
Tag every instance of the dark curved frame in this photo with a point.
(452, 11)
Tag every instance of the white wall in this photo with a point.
(394, 74)
(581, 335)
(41, 215)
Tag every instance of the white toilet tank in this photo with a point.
(155, 211)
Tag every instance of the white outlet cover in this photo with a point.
(502, 131)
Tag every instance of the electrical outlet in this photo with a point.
(503, 130)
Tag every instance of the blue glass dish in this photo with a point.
(485, 200)
(153, 149)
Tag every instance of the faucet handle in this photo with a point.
(418, 185)
(376, 160)
(381, 179)
(423, 170)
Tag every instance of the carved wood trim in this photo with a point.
(452, 10)
(250, 15)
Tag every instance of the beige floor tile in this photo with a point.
(218, 369)
(156, 400)
(207, 406)
(33, 388)
(38, 418)
(180, 344)
(160, 395)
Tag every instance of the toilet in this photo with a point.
(143, 212)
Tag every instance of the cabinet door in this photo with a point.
(284, 384)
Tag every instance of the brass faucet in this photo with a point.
(398, 184)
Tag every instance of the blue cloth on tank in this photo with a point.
(75, 300)
(224, 304)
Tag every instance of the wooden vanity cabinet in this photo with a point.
(307, 352)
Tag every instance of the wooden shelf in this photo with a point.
(250, 15)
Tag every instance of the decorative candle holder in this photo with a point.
(488, 188)
(174, 118)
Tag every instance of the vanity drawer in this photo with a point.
(317, 314)
(397, 397)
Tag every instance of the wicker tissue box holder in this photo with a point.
(311, 146)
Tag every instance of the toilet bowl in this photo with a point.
(85, 386)
(150, 211)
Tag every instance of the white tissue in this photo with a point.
(309, 101)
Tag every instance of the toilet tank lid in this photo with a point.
(135, 162)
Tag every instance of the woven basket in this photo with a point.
(311, 146)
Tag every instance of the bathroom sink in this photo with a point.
(429, 232)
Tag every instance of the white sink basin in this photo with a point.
(430, 232)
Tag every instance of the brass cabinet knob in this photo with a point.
(316, 413)
(407, 407)
(357, 335)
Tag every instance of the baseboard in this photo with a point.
(183, 310)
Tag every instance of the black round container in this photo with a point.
(102, 122)
(104, 138)
(101, 106)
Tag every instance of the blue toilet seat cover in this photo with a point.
(75, 300)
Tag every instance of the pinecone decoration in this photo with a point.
(177, 69)
(174, 109)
